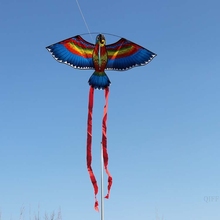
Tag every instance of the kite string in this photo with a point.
(84, 19)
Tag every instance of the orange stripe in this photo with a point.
(77, 48)
(126, 51)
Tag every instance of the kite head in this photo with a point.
(100, 39)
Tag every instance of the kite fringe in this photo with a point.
(104, 141)
(104, 144)
(89, 145)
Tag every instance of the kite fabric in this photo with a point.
(121, 55)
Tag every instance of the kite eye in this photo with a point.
(97, 38)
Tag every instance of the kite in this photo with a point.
(121, 55)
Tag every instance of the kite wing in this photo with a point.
(74, 51)
(125, 54)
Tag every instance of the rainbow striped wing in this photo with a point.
(74, 51)
(125, 54)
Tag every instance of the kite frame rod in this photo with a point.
(102, 184)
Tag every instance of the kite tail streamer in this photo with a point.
(104, 142)
(89, 145)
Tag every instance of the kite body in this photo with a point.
(121, 55)
(99, 79)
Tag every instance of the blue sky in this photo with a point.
(163, 122)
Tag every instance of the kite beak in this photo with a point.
(102, 39)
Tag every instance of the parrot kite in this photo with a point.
(121, 55)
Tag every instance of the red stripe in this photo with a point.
(89, 145)
(104, 141)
